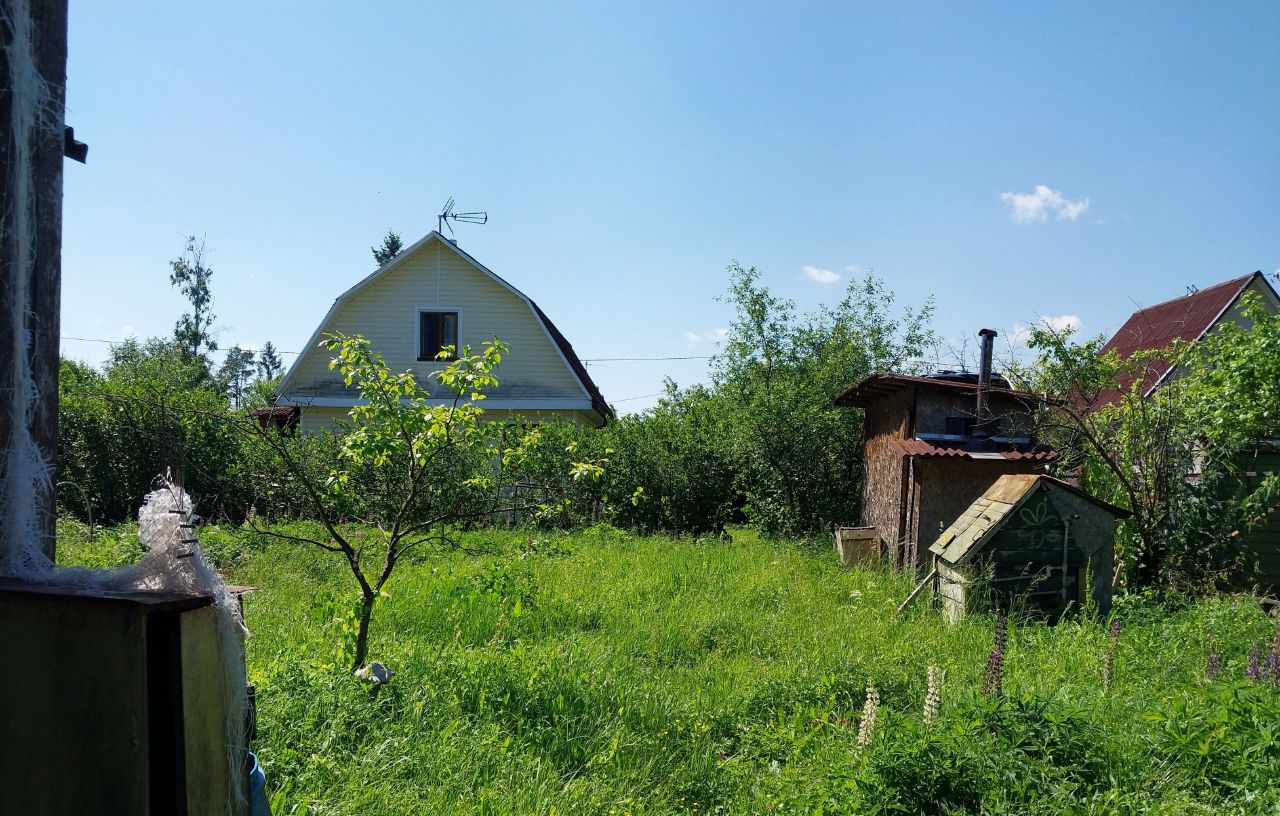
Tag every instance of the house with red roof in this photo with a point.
(1187, 318)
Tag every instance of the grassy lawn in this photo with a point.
(602, 673)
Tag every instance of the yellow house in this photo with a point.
(432, 295)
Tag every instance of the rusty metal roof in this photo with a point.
(919, 447)
(881, 384)
(1184, 318)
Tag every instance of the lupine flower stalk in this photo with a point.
(1271, 668)
(992, 677)
(867, 726)
(1253, 669)
(1214, 666)
(933, 696)
(1109, 667)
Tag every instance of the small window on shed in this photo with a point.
(436, 330)
(959, 426)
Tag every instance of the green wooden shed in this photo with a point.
(1257, 547)
(1030, 542)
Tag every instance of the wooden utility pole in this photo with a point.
(33, 71)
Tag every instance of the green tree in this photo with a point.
(1168, 457)
(191, 275)
(261, 393)
(670, 468)
(152, 408)
(799, 457)
(765, 442)
(391, 247)
(236, 373)
(407, 466)
(269, 363)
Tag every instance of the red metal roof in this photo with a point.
(919, 447)
(1157, 327)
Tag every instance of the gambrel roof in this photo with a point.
(590, 391)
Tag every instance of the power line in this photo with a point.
(118, 342)
(642, 396)
(643, 359)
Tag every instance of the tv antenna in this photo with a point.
(447, 215)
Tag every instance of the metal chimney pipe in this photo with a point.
(984, 380)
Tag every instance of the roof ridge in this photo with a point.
(1240, 283)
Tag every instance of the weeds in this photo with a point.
(673, 676)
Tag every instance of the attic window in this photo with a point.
(435, 331)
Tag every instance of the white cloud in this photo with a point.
(715, 337)
(1062, 322)
(1021, 332)
(127, 331)
(817, 275)
(1042, 203)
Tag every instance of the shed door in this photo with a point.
(1027, 556)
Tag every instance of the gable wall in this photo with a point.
(1234, 315)
(385, 311)
(1261, 290)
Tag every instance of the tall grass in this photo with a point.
(604, 673)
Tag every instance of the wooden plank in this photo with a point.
(157, 601)
(205, 714)
(1011, 488)
(75, 712)
(928, 579)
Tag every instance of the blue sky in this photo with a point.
(1015, 161)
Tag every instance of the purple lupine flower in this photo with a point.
(1253, 670)
(1272, 667)
(993, 675)
(1214, 667)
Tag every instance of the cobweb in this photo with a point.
(174, 561)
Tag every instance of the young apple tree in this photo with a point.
(410, 464)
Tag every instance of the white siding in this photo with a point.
(1260, 289)
(436, 277)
